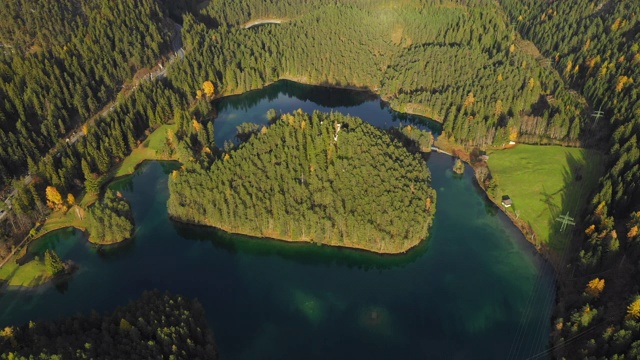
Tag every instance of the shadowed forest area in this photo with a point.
(154, 326)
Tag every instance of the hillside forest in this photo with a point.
(514, 70)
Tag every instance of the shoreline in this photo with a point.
(304, 81)
(556, 263)
(289, 240)
(547, 254)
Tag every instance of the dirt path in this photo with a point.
(253, 23)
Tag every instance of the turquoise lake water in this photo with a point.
(474, 290)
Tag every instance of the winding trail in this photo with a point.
(253, 23)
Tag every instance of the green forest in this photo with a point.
(323, 178)
(155, 326)
(596, 48)
(406, 53)
(110, 220)
(527, 71)
(62, 62)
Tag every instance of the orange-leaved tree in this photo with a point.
(54, 199)
(594, 287)
(208, 88)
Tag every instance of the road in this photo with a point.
(253, 23)
(161, 72)
(3, 213)
(178, 53)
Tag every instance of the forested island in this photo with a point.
(323, 178)
(156, 326)
(78, 98)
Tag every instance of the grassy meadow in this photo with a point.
(30, 274)
(148, 150)
(545, 182)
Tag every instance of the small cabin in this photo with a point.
(506, 201)
(484, 158)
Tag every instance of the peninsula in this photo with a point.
(324, 178)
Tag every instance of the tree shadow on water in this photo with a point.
(300, 252)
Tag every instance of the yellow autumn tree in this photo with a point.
(603, 70)
(633, 310)
(590, 230)
(196, 125)
(54, 199)
(71, 200)
(499, 108)
(125, 325)
(198, 94)
(632, 232)
(208, 88)
(591, 63)
(513, 133)
(616, 24)
(170, 138)
(622, 82)
(594, 287)
(567, 70)
(532, 83)
(470, 100)
(7, 332)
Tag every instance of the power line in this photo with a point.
(597, 115)
(565, 220)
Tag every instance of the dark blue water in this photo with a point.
(474, 290)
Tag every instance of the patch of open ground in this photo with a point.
(150, 149)
(30, 274)
(545, 182)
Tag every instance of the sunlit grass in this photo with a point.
(59, 220)
(545, 182)
(148, 150)
(30, 274)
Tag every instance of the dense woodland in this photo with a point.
(468, 63)
(459, 63)
(596, 48)
(156, 326)
(110, 220)
(295, 181)
(61, 62)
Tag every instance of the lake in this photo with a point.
(474, 290)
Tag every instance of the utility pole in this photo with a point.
(565, 220)
(597, 115)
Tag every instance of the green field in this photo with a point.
(545, 182)
(30, 274)
(148, 150)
